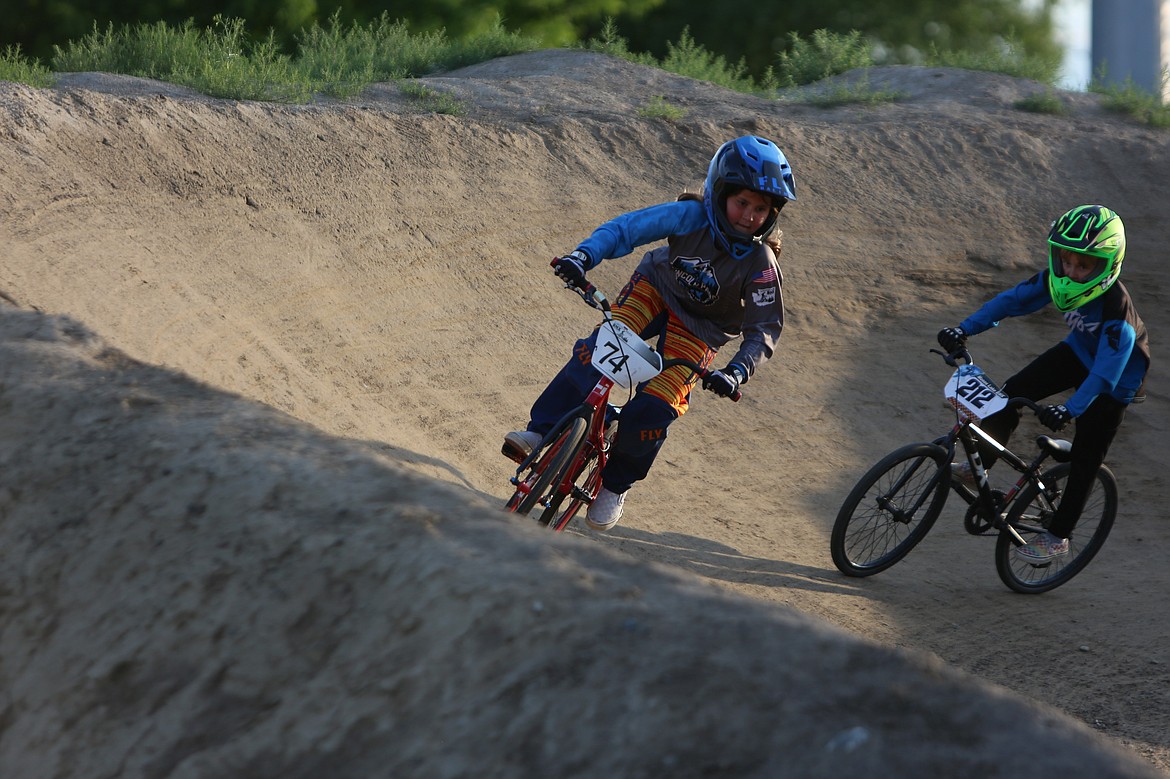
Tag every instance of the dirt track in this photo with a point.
(379, 274)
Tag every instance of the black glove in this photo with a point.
(1055, 417)
(952, 339)
(571, 269)
(725, 383)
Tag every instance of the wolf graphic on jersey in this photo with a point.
(694, 274)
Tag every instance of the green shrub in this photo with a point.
(1133, 101)
(17, 68)
(827, 54)
(1009, 59)
(221, 62)
(1046, 102)
(660, 108)
(432, 99)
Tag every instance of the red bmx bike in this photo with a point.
(563, 472)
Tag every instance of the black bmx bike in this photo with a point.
(897, 501)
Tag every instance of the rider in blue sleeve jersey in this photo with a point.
(622, 234)
(1103, 359)
(1103, 333)
(717, 278)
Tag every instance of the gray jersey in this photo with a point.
(718, 297)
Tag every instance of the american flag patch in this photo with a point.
(767, 276)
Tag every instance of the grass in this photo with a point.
(17, 68)
(1009, 58)
(340, 61)
(333, 60)
(660, 108)
(1046, 102)
(857, 93)
(432, 100)
(1131, 100)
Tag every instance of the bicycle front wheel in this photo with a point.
(540, 483)
(891, 509)
(1031, 513)
(578, 484)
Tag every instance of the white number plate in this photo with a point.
(974, 395)
(623, 356)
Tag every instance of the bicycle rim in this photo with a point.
(1030, 514)
(537, 485)
(583, 477)
(890, 509)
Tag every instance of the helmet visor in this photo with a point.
(1077, 266)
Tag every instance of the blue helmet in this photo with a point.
(752, 163)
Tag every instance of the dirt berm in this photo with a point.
(256, 362)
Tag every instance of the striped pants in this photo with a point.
(656, 403)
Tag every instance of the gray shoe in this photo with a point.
(518, 445)
(962, 471)
(605, 510)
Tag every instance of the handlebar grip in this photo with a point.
(594, 297)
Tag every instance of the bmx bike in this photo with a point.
(896, 502)
(563, 472)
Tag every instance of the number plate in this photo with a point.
(623, 356)
(974, 395)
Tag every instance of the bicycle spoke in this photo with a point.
(890, 510)
(1032, 513)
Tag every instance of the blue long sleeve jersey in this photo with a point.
(716, 296)
(1106, 334)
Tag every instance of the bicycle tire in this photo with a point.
(867, 536)
(1029, 516)
(542, 474)
(584, 476)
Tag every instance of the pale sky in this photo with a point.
(1072, 19)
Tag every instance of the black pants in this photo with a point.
(1059, 370)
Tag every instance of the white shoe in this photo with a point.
(962, 471)
(518, 445)
(605, 510)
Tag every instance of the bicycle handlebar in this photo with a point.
(952, 360)
(701, 371)
(589, 293)
(1021, 401)
(595, 298)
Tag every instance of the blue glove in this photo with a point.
(952, 339)
(1055, 417)
(725, 383)
(571, 268)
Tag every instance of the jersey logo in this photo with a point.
(1077, 321)
(695, 275)
(764, 297)
(1113, 335)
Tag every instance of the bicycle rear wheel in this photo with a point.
(539, 484)
(1031, 512)
(891, 509)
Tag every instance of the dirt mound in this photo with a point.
(257, 359)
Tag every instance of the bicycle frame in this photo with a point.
(568, 462)
(987, 504)
(895, 503)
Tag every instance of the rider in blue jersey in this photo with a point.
(1103, 359)
(716, 278)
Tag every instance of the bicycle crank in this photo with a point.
(974, 522)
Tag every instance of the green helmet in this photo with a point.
(1092, 230)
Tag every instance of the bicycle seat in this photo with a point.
(1060, 449)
